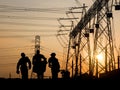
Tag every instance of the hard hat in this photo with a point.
(53, 54)
(22, 54)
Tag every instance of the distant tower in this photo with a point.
(37, 43)
(37, 47)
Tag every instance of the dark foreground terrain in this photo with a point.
(106, 81)
(61, 84)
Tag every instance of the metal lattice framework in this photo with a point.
(37, 47)
(37, 43)
(91, 37)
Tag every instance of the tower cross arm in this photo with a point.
(92, 11)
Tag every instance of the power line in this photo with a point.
(26, 30)
(26, 17)
(28, 24)
(23, 36)
(8, 8)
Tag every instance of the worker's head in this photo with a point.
(53, 54)
(23, 54)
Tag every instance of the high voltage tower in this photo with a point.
(91, 38)
(37, 47)
(37, 43)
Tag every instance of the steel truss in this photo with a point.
(92, 37)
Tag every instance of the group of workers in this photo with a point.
(39, 62)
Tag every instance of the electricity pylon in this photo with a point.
(91, 37)
(37, 47)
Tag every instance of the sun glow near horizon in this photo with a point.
(100, 57)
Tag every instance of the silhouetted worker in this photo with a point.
(39, 64)
(23, 65)
(53, 63)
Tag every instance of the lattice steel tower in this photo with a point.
(37, 47)
(37, 43)
(91, 38)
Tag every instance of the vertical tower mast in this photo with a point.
(98, 17)
(37, 43)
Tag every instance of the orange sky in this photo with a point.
(18, 30)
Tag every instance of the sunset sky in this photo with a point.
(22, 20)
